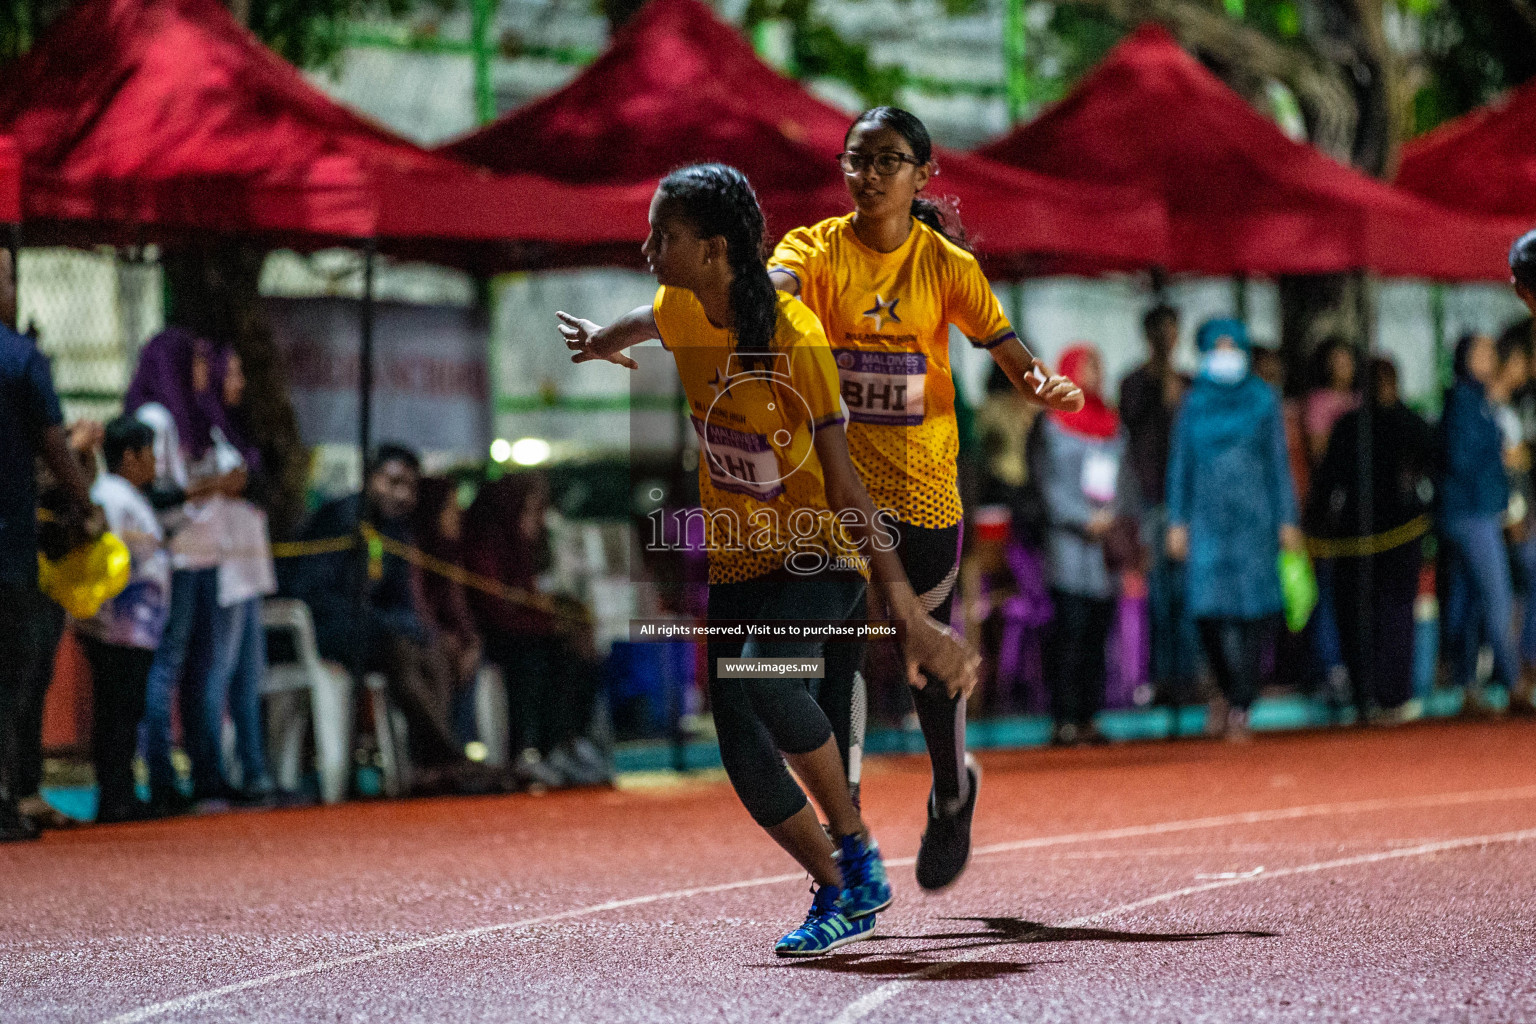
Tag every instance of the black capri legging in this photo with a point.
(757, 719)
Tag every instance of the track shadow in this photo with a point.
(912, 968)
(992, 932)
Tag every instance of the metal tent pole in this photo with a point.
(364, 443)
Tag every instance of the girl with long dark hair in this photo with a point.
(887, 281)
(763, 393)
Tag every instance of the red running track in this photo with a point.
(1362, 876)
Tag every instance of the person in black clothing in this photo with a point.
(1376, 592)
(31, 425)
(388, 634)
(1149, 401)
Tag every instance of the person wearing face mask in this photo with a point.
(1231, 508)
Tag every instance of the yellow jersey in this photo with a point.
(887, 317)
(760, 482)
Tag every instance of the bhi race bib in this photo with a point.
(739, 461)
(883, 387)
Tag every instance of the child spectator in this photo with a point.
(120, 641)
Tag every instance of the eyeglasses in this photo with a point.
(885, 163)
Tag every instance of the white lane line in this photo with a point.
(872, 1001)
(1261, 817)
(197, 998)
(1190, 824)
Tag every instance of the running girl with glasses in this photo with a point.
(887, 281)
(763, 393)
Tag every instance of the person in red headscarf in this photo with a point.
(1078, 462)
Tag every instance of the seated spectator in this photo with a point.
(1380, 659)
(120, 642)
(388, 634)
(1079, 463)
(543, 646)
(439, 527)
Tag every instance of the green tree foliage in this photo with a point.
(309, 33)
(1476, 49)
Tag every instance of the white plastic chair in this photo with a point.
(330, 704)
(492, 716)
(390, 731)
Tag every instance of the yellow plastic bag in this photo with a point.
(86, 578)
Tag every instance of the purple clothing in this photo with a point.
(164, 375)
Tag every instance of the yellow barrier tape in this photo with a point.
(1365, 547)
(300, 548)
(378, 544)
(464, 577)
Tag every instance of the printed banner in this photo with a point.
(429, 373)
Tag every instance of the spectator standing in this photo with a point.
(1334, 373)
(1523, 535)
(1078, 462)
(174, 390)
(1522, 268)
(31, 425)
(1474, 500)
(1230, 510)
(119, 643)
(233, 661)
(1382, 584)
(1149, 400)
(1003, 425)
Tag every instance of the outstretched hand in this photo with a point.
(929, 646)
(1054, 392)
(580, 338)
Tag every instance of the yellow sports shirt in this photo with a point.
(887, 317)
(760, 482)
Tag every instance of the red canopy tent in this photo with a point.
(10, 181)
(1484, 162)
(154, 120)
(678, 85)
(1242, 197)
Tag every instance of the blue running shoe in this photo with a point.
(825, 927)
(865, 887)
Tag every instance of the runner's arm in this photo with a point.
(589, 341)
(1031, 376)
(927, 644)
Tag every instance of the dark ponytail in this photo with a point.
(940, 214)
(718, 200)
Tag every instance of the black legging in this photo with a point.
(1234, 648)
(1076, 663)
(756, 719)
(931, 559)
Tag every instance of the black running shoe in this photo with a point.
(947, 840)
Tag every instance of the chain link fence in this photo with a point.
(90, 311)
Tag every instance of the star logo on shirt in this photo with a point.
(882, 312)
(718, 383)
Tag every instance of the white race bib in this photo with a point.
(1100, 474)
(740, 462)
(883, 387)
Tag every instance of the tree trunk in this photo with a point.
(211, 290)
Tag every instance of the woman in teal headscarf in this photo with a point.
(1231, 508)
